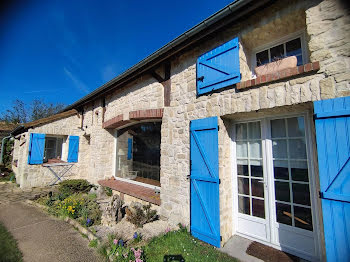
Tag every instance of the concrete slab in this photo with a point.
(236, 247)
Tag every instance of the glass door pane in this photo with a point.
(250, 169)
(292, 194)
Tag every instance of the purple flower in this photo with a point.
(167, 230)
(88, 222)
(115, 241)
(121, 242)
(135, 235)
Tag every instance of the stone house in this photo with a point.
(222, 128)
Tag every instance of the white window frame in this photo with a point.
(268, 162)
(282, 40)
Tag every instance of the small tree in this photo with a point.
(7, 156)
(22, 113)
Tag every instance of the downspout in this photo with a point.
(2, 149)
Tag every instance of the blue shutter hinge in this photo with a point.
(200, 78)
(219, 181)
(220, 238)
(240, 76)
(320, 194)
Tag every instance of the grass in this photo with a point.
(7, 177)
(9, 251)
(93, 243)
(177, 245)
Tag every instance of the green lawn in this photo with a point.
(9, 251)
(177, 245)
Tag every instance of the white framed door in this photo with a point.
(252, 192)
(274, 171)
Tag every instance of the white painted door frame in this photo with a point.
(268, 175)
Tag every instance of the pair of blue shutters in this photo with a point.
(205, 212)
(332, 122)
(218, 68)
(37, 146)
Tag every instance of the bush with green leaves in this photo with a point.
(140, 216)
(82, 207)
(74, 186)
(108, 191)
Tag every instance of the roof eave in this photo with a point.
(192, 35)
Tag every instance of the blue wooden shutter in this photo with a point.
(73, 149)
(332, 120)
(36, 149)
(205, 212)
(129, 148)
(218, 68)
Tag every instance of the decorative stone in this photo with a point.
(327, 88)
(113, 212)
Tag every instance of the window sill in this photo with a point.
(279, 75)
(140, 192)
(54, 161)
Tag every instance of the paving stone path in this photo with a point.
(40, 237)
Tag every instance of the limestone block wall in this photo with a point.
(330, 81)
(37, 175)
(328, 27)
(144, 93)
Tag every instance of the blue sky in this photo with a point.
(62, 50)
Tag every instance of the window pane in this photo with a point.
(277, 52)
(301, 194)
(296, 126)
(243, 186)
(254, 130)
(258, 208)
(144, 163)
(303, 218)
(262, 58)
(280, 169)
(257, 187)
(241, 131)
(242, 170)
(278, 128)
(293, 47)
(256, 171)
(299, 171)
(279, 148)
(282, 191)
(297, 148)
(242, 150)
(284, 214)
(243, 205)
(255, 149)
(300, 60)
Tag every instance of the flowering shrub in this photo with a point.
(77, 206)
(115, 249)
(71, 206)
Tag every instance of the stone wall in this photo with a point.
(330, 81)
(144, 93)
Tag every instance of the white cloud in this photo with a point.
(76, 81)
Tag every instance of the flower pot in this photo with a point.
(279, 65)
